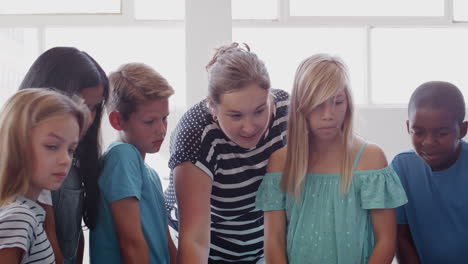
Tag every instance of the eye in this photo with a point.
(149, 122)
(71, 151)
(51, 147)
(165, 118)
(339, 102)
(258, 112)
(235, 116)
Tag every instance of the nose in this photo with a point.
(65, 158)
(248, 127)
(161, 127)
(429, 140)
(328, 111)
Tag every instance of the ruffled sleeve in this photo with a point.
(381, 189)
(269, 194)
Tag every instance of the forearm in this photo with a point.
(383, 252)
(406, 253)
(172, 248)
(192, 252)
(134, 252)
(275, 253)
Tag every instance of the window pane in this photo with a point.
(60, 7)
(160, 9)
(460, 10)
(402, 59)
(254, 9)
(282, 49)
(367, 7)
(21, 46)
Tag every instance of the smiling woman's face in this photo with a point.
(244, 115)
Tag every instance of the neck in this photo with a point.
(326, 146)
(32, 193)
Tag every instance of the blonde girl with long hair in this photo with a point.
(328, 196)
(39, 131)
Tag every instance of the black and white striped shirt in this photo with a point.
(236, 227)
(21, 226)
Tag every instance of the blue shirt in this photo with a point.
(437, 208)
(124, 175)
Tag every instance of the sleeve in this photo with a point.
(192, 140)
(17, 229)
(121, 176)
(400, 211)
(269, 194)
(45, 197)
(381, 189)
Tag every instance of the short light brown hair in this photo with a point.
(18, 117)
(134, 84)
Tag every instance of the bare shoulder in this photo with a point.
(372, 158)
(277, 160)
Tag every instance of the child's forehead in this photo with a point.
(432, 116)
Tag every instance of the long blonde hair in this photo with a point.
(20, 114)
(317, 79)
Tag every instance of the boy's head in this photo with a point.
(138, 106)
(436, 114)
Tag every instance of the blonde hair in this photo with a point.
(20, 114)
(134, 84)
(317, 79)
(233, 68)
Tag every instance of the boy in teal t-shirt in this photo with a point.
(131, 226)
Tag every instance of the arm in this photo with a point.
(275, 221)
(132, 243)
(406, 252)
(11, 255)
(384, 226)
(79, 254)
(275, 237)
(172, 248)
(49, 227)
(193, 191)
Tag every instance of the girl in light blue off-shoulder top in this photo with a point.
(328, 197)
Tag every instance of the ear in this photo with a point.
(115, 119)
(407, 126)
(463, 129)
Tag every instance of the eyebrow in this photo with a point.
(52, 134)
(257, 108)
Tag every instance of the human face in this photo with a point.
(435, 135)
(54, 141)
(93, 97)
(244, 115)
(326, 120)
(146, 128)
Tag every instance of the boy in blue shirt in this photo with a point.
(131, 225)
(433, 225)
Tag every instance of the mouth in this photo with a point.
(429, 156)
(327, 128)
(60, 175)
(252, 137)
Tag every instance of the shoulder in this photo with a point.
(372, 157)
(280, 95)
(277, 160)
(193, 126)
(20, 214)
(120, 149)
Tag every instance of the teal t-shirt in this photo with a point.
(124, 175)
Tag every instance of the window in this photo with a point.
(59, 7)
